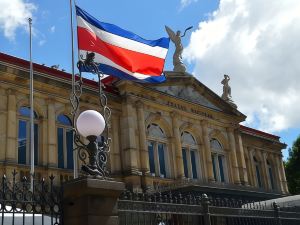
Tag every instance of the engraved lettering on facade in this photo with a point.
(175, 105)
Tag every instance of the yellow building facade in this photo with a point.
(178, 134)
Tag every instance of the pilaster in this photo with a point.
(210, 174)
(178, 147)
(276, 165)
(11, 124)
(248, 166)
(202, 162)
(128, 136)
(267, 171)
(3, 122)
(235, 169)
(264, 169)
(44, 151)
(253, 169)
(144, 157)
(241, 159)
(283, 177)
(116, 165)
(52, 134)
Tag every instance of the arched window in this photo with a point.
(157, 145)
(258, 172)
(24, 136)
(64, 142)
(189, 155)
(218, 161)
(271, 177)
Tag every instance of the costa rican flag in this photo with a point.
(119, 52)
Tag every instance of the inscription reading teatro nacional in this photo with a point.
(175, 105)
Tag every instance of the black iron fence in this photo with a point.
(23, 203)
(147, 209)
(20, 204)
(176, 209)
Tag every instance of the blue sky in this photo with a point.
(51, 21)
(255, 43)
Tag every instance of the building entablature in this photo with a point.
(166, 102)
(261, 142)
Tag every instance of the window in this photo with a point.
(218, 161)
(24, 136)
(157, 151)
(271, 177)
(189, 155)
(64, 142)
(257, 172)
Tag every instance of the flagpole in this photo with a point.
(75, 172)
(31, 108)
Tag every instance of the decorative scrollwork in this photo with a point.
(17, 197)
(82, 154)
(97, 152)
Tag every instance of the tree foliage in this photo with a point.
(292, 168)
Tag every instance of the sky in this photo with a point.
(255, 42)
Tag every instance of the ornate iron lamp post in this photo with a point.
(90, 124)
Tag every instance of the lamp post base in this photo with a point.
(91, 171)
(91, 201)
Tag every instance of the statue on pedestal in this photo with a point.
(226, 88)
(227, 91)
(177, 57)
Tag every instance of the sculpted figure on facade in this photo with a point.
(177, 57)
(226, 88)
(227, 91)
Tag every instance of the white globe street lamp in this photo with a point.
(90, 123)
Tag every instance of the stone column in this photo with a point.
(52, 134)
(3, 126)
(144, 157)
(91, 201)
(206, 142)
(241, 159)
(233, 158)
(11, 124)
(128, 136)
(116, 165)
(178, 147)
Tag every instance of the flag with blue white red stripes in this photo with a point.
(119, 52)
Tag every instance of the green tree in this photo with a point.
(292, 168)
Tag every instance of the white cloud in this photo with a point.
(14, 14)
(257, 43)
(184, 3)
(52, 29)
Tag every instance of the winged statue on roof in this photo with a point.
(177, 57)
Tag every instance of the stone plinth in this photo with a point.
(90, 201)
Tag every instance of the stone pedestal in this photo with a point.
(89, 201)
